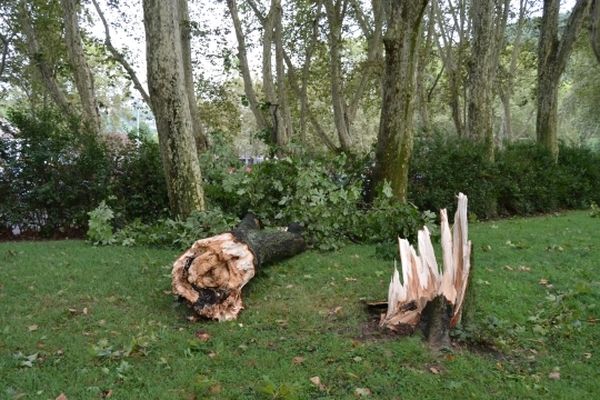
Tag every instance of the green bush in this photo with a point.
(99, 225)
(443, 167)
(523, 180)
(52, 174)
(137, 187)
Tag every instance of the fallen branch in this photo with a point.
(211, 274)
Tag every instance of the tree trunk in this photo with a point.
(38, 58)
(335, 13)
(186, 51)
(211, 274)
(261, 122)
(595, 27)
(84, 80)
(481, 71)
(395, 138)
(426, 297)
(284, 124)
(553, 55)
(170, 104)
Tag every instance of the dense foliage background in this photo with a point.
(53, 174)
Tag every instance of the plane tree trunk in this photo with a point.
(553, 54)
(82, 75)
(170, 104)
(395, 138)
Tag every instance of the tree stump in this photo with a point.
(211, 274)
(428, 298)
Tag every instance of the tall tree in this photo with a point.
(82, 75)
(395, 138)
(507, 86)
(170, 104)
(39, 57)
(489, 19)
(454, 26)
(185, 27)
(595, 27)
(553, 54)
(242, 55)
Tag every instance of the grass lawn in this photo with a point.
(98, 322)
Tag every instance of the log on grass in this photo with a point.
(428, 298)
(211, 274)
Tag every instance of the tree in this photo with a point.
(488, 23)
(507, 87)
(39, 56)
(170, 104)
(395, 138)
(185, 34)
(454, 26)
(82, 75)
(553, 54)
(595, 27)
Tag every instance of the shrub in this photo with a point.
(138, 187)
(52, 173)
(443, 167)
(99, 225)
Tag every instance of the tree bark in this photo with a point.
(336, 10)
(211, 274)
(489, 19)
(284, 124)
(82, 75)
(506, 90)
(595, 27)
(553, 55)
(452, 52)
(170, 104)
(395, 138)
(245, 69)
(186, 52)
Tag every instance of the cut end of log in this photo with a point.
(211, 274)
(427, 297)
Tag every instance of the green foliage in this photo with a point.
(178, 234)
(99, 225)
(524, 179)
(441, 168)
(138, 188)
(52, 173)
(594, 210)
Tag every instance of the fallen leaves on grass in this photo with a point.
(32, 328)
(203, 336)
(61, 396)
(555, 375)
(315, 380)
(434, 370)
(297, 360)
(362, 392)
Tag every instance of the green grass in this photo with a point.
(537, 300)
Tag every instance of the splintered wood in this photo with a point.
(422, 282)
(211, 275)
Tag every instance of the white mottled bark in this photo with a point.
(170, 104)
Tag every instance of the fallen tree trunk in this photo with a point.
(427, 298)
(211, 274)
